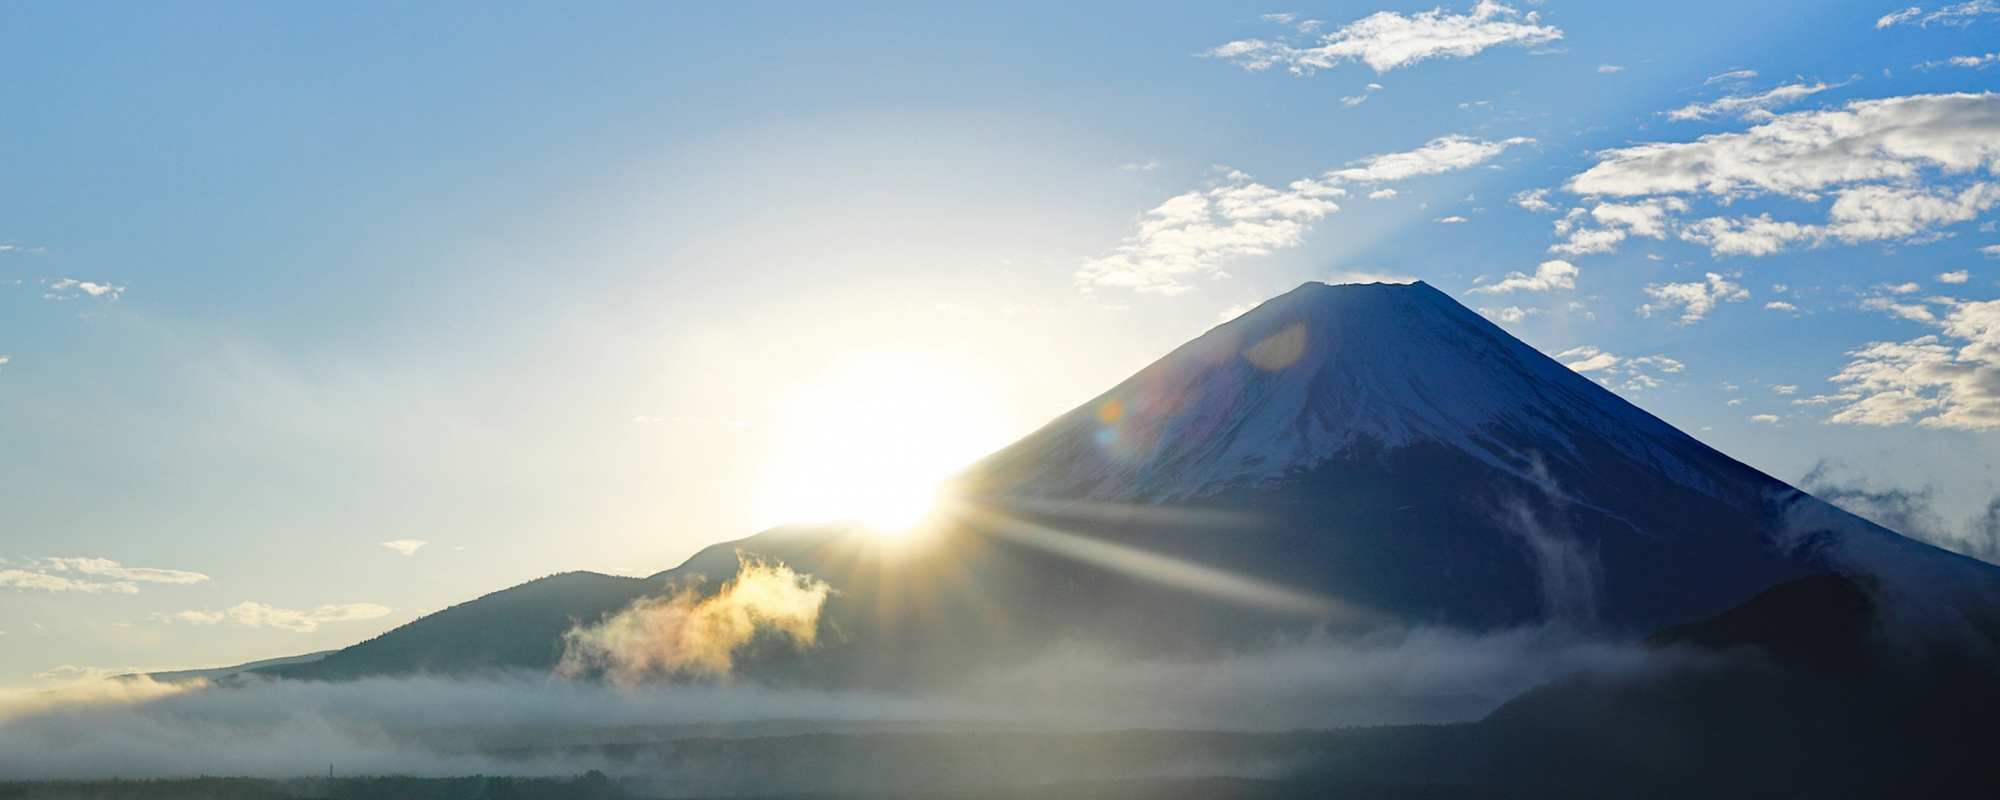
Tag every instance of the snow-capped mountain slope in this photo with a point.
(1296, 381)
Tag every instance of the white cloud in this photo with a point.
(1510, 313)
(1900, 288)
(1636, 374)
(1606, 69)
(1387, 40)
(1617, 221)
(1959, 276)
(1553, 274)
(1533, 200)
(68, 288)
(1784, 389)
(1946, 380)
(1780, 305)
(1772, 418)
(1153, 164)
(1751, 106)
(1451, 219)
(1960, 14)
(1588, 359)
(1196, 233)
(1694, 299)
(1382, 194)
(1991, 250)
(405, 546)
(1897, 168)
(1981, 62)
(258, 615)
(1443, 154)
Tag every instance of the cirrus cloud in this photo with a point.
(1197, 232)
(259, 615)
(1387, 40)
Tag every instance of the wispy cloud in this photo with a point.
(1196, 233)
(1750, 106)
(1443, 154)
(1387, 40)
(40, 574)
(259, 615)
(1960, 14)
(1553, 274)
(407, 547)
(25, 579)
(1899, 168)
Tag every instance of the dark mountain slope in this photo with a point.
(512, 629)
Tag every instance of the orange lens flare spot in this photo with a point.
(1111, 412)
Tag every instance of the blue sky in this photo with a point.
(288, 290)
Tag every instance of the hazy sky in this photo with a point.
(317, 317)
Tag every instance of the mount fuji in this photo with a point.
(1338, 456)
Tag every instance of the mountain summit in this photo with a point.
(1311, 375)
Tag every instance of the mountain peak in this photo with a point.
(1305, 377)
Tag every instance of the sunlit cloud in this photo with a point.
(1950, 379)
(683, 633)
(407, 547)
(1387, 40)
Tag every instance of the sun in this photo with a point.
(872, 445)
